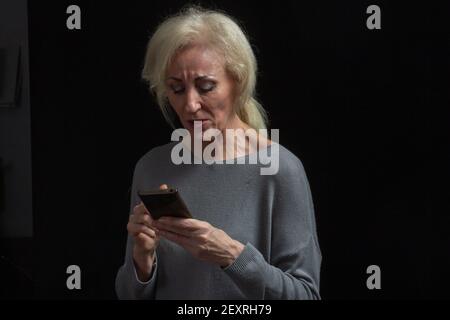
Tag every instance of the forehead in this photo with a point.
(196, 59)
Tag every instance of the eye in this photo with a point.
(206, 87)
(177, 89)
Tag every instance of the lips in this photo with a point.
(205, 122)
(199, 120)
(202, 120)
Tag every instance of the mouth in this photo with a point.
(204, 123)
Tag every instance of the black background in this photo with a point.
(365, 110)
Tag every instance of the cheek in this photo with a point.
(222, 102)
(221, 112)
(224, 106)
(174, 101)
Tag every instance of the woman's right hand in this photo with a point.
(145, 240)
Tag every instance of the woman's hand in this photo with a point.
(201, 239)
(140, 227)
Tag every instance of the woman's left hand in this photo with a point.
(201, 239)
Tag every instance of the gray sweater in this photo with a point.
(272, 215)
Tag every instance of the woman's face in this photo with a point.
(199, 89)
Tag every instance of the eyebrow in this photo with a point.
(196, 79)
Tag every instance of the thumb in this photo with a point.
(163, 187)
(141, 238)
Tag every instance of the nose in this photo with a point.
(192, 103)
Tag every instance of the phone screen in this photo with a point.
(167, 202)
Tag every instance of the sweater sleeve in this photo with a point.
(128, 286)
(295, 258)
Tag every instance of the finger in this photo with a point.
(174, 237)
(180, 224)
(145, 219)
(140, 209)
(174, 228)
(135, 228)
(145, 241)
(163, 187)
(145, 237)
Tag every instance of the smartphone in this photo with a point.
(166, 202)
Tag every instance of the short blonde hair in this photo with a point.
(195, 24)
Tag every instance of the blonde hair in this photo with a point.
(195, 24)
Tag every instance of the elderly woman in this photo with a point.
(252, 236)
